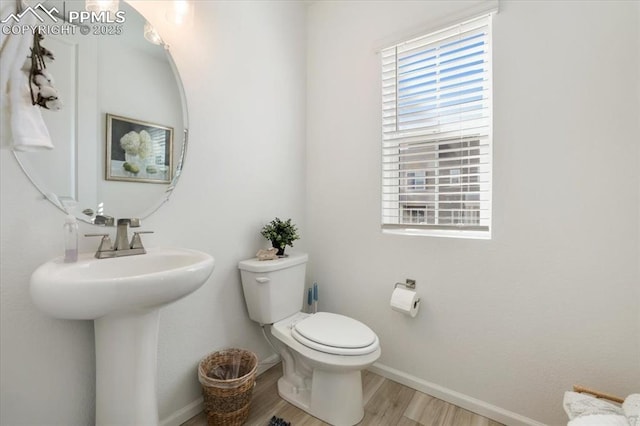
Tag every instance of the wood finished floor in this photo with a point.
(387, 403)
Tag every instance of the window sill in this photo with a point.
(446, 233)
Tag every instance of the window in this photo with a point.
(416, 180)
(436, 132)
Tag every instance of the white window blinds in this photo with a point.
(436, 130)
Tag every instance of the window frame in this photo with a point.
(407, 182)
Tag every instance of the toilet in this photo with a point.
(322, 354)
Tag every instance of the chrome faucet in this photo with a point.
(122, 246)
(122, 234)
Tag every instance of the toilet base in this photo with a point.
(335, 398)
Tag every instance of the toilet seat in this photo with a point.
(335, 334)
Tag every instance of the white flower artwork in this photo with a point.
(138, 151)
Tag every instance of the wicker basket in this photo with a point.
(226, 402)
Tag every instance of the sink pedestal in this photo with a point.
(126, 368)
(123, 296)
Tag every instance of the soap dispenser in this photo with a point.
(70, 239)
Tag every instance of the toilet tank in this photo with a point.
(273, 289)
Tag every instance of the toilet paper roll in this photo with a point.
(405, 301)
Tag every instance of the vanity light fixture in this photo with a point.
(110, 6)
(179, 12)
(151, 35)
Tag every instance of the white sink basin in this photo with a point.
(123, 295)
(92, 288)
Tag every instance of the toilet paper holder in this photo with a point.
(409, 284)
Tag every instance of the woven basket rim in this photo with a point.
(226, 383)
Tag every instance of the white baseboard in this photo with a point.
(468, 403)
(195, 407)
(267, 363)
(183, 414)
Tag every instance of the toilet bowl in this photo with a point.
(325, 379)
(322, 354)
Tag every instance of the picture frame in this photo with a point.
(138, 151)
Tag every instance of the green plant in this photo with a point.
(281, 234)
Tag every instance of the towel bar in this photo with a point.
(597, 394)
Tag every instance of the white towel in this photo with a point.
(631, 407)
(21, 125)
(583, 404)
(600, 420)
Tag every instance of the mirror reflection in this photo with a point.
(119, 138)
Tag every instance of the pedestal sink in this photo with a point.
(123, 296)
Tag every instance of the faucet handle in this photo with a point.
(105, 242)
(136, 241)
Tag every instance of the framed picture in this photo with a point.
(138, 151)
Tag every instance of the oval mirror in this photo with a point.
(121, 135)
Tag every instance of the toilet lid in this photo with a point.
(335, 334)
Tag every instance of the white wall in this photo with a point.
(553, 298)
(244, 71)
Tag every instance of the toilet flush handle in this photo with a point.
(263, 280)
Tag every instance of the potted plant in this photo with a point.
(281, 234)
